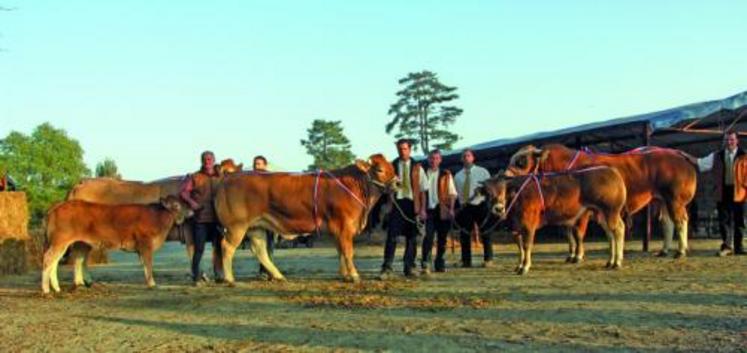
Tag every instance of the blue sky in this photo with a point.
(152, 83)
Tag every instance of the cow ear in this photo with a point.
(363, 165)
(541, 155)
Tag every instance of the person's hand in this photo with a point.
(422, 215)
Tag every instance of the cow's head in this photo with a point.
(496, 192)
(526, 161)
(176, 207)
(379, 171)
(227, 166)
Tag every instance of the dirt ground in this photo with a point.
(651, 305)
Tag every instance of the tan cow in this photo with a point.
(650, 173)
(133, 227)
(337, 203)
(531, 202)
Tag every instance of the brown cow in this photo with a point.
(134, 227)
(649, 173)
(336, 202)
(530, 202)
(111, 191)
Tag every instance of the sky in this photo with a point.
(151, 84)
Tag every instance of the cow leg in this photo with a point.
(78, 252)
(146, 258)
(667, 230)
(49, 273)
(580, 234)
(528, 245)
(520, 244)
(346, 246)
(611, 237)
(230, 242)
(189, 244)
(614, 226)
(259, 248)
(571, 244)
(680, 225)
(620, 235)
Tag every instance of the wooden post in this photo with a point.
(647, 237)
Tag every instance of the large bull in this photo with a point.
(335, 202)
(650, 174)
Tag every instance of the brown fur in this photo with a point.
(566, 197)
(660, 174)
(284, 203)
(132, 227)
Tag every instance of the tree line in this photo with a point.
(47, 163)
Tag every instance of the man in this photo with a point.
(197, 192)
(260, 165)
(409, 206)
(441, 196)
(730, 206)
(472, 208)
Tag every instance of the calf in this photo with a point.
(133, 227)
(530, 202)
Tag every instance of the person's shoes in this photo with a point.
(465, 265)
(440, 269)
(200, 281)
(725, 252)
(411, 274)
(740, 252)
(662, 253)
(386, 275)
(488, 264)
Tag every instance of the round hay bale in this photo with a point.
(14, 219)
(14, 236)
(13, 257)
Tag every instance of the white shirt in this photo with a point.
(423, 182)
(706, 164)
(477, 175)
(432, 176)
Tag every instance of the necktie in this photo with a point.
(466, 187)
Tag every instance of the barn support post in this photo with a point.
(647, 237)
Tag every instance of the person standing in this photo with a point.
(472, 208)
(197, 191)
(730, 195)
(409, 206)
(441, 196)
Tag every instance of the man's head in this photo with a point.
(468, 157)
(434, 159)
(260, 164)
(731, 140)
(404, 149)
(207, 159)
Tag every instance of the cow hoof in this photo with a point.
(523, 271)
(352, 279)
(680, 255)
(569, 259)
(608, 265)
(577, 260)
(230, 284)
(616, 266)
(88, 283)
(152, 286)
(278, 279)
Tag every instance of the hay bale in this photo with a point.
(14, 216)
(14, 236)
(13, 257)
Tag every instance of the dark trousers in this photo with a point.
(398, 225)
(270, 238)
(435, 225)
(731, 220)
(204, 232)
(467, 218)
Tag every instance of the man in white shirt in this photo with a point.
(730, 212)
(410, 206)
(472, 208)
(441, 197)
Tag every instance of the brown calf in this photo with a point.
(530, 202)
(139, 228)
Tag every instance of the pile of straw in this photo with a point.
(14, 237)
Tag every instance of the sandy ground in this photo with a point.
(651, 305)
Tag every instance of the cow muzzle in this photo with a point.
(499, 209)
